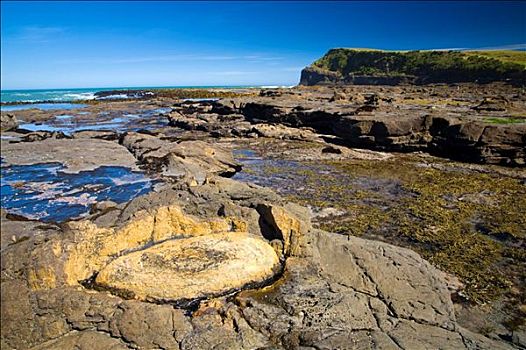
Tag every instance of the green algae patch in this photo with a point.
(362, 219)
(466, 222)
(504, 120)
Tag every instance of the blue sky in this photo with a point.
(111, 44)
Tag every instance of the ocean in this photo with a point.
(66, 95)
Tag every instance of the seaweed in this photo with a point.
(466, 222)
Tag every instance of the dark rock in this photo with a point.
(371, 100)
(365, 108)
(463, 139)
(103, 206)
(493, 104)
(116, 94)
(270, 93)
(224, 106)
(314, 76)
(331, 149)
(42, 135)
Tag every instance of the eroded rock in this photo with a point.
(84, 340)
(191, 161)
(8, 122)
(88, 248)
(191, 268)
(390, 127)
(335, 293)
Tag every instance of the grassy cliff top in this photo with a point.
(509, 56)
(464, 65)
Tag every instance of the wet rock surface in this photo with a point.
(190, 160)
(76, 155)
(204, 261)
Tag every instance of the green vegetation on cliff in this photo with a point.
(510, 56)
(426, 66)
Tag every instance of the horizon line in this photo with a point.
(155, 87)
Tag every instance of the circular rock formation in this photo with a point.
(193, 268)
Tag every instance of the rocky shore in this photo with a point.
(204, 258)
(475, 130)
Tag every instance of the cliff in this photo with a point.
(376, 67)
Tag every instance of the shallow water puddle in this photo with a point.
(284, 176)
(304, 179)
(69, 124)
(43, 191)
(209, 99)
(42, 106)
(254, 169)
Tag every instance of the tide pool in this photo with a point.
(43, 106)
(44, 192)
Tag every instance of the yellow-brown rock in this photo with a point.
(289, 226)
(191, 268)
(286, 226)
(93, 247)
(163, 253)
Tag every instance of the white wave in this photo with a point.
(30, 101)
(123, 96)
(199, 100)
(276, 86)
(81, 96)
(84, 199)
(54, 170)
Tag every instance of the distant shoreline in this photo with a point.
(153, 87)
(87, 95)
